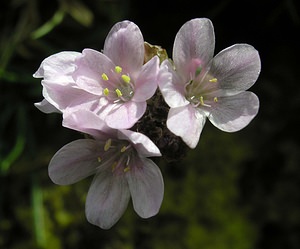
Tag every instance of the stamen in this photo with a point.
(99, 159)
(213, 80)
(113, 166)
(106, 91)
(118, 69)
(125, 78)
(123, 149)
(107, 145)
(215, 99)
(104, 77)
(201, 100)
(127, 169)
(118, 92)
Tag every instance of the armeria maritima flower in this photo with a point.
(118, 158)
(198, 86)
(114, 84)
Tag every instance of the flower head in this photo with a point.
(198, 86)
(118, 159)
(114, 84)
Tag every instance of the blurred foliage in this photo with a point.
(234, 191)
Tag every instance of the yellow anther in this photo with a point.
(104, 76)
(125, 78)
(215, 99)
(214, 80)
(126, 169)
(118, 92)
(118, 69)
(99, 159)
(107, 145)
(123, 149)
(201, 100)
(105, 91)
(114, 165)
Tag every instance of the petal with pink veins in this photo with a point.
(124, 45)
(186, 122)
(233, 113)
(107, 199)
(146, 186)
(125, 115)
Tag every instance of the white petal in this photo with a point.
(107, 199)
(236, 68)
(171, 86)
(124, 45)
(146, 82)
(75, 161)
(186, 122)
(146, 187)
(144, 146)
(57, 65)
(46, 107)
(233, 113)
(88, 122)
(194, 40)
(125, 115)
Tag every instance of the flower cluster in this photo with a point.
(133, 102)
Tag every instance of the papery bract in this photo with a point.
(118, 158)
(198, 86)
(114, 84)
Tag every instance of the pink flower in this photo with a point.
(199, 86)
(118, 159)
(114, 84)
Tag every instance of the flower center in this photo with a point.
(201, 90)
(118, 87)
(119, 153)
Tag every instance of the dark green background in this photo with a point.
(234, 191)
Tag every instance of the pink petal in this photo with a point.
(57, 65)
(233, 113)
(65, 96)
(88, 122)
(75, 161)
(107, 199)
(193, 46)
(124, 45)
(187, 123)
(236, 68)
(171, 86)
(146, 187)
(125, 115)
(146, 82)
(90, 67)
(144, 146)
(46, 107)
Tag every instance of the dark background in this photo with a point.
(236, 191)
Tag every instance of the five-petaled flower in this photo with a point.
(114, 84)
(118, 158)
(198, 86)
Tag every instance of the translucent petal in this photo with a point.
(146, 186)
(57, 65)
(194, 42)
(125, 115)
(146, 82)
(107, 199)
(186, 122)
(144, 146)
(124, 45)
(171, 86)
(236, 68)
(75, 161)
(234, 112)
